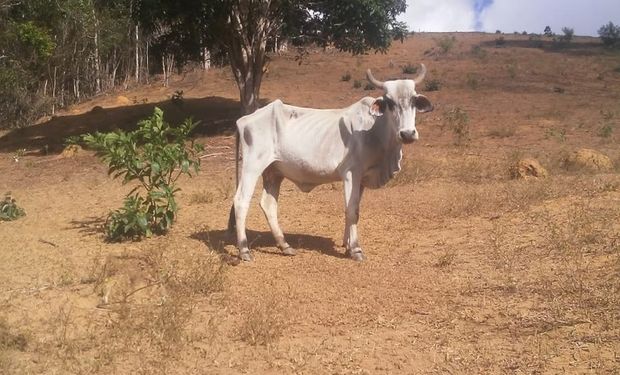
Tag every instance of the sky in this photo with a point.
(584, 16)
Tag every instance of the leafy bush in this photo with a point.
(473, 81)
(9, 210)
(457, 122)
(346, 77)
(478, 52)
(369, 86)
(446, 43)
(409, 68)
(155, 155)
(609, 34)
(432, 85)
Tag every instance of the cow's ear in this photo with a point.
(422, 104)
(378, 107)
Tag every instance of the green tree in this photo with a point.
(242, 29)
(610, 34)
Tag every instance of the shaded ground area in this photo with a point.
(217, 115)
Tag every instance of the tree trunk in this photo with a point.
(97, 57)
(247, 45)
(137, 54)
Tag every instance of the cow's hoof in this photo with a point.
(357, 254)
(289, 251)
(358, 257)
(246, 256)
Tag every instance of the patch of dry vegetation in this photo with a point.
(147, 302)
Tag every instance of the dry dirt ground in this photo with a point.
(467, 271)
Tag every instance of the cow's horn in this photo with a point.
(378, 84)
(418, 79)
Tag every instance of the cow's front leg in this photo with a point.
(241, 206)
(352, 197)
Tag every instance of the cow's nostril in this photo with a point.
(407, 136)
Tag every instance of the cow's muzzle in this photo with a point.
(408, 136)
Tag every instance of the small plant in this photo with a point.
(9, 210)
(357, 84)
(432, 85)
(457, 122)
(446, 258)
(446, 44)
(369, 86)
(606, 125)
(473, 81)
(155, 155)
(202, 197)
(500, 41)
(559, 134)
(478, 52)
(609, 34)
(512, 70)
(346, 77)
(409, 68)
(177, 97)
(19, 154)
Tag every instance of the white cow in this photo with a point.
(360, 145)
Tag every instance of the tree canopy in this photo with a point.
(57, 52)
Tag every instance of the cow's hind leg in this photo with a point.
(242, 199)
(269, 203)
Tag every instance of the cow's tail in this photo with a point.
(232, 222)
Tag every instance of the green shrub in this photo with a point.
(155, 155)
(473, 81)
(409, 68)
(432, 85)
(357, 84)
(9, 210)
(446, 43)
(457, 121)
(369, 86)
(478, 52)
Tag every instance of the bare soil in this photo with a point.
(467, 271)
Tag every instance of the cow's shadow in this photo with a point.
(262, 241)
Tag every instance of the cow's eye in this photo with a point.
(391, 104)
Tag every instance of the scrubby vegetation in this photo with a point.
(155, 155)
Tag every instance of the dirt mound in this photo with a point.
(70, 151)
(588, 159)
(122, 100)
(528, 168)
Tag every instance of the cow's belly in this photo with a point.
(306, 174)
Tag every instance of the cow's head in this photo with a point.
(400, 103)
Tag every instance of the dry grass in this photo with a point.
(201, 197)
(147, 301)
(263, 322)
